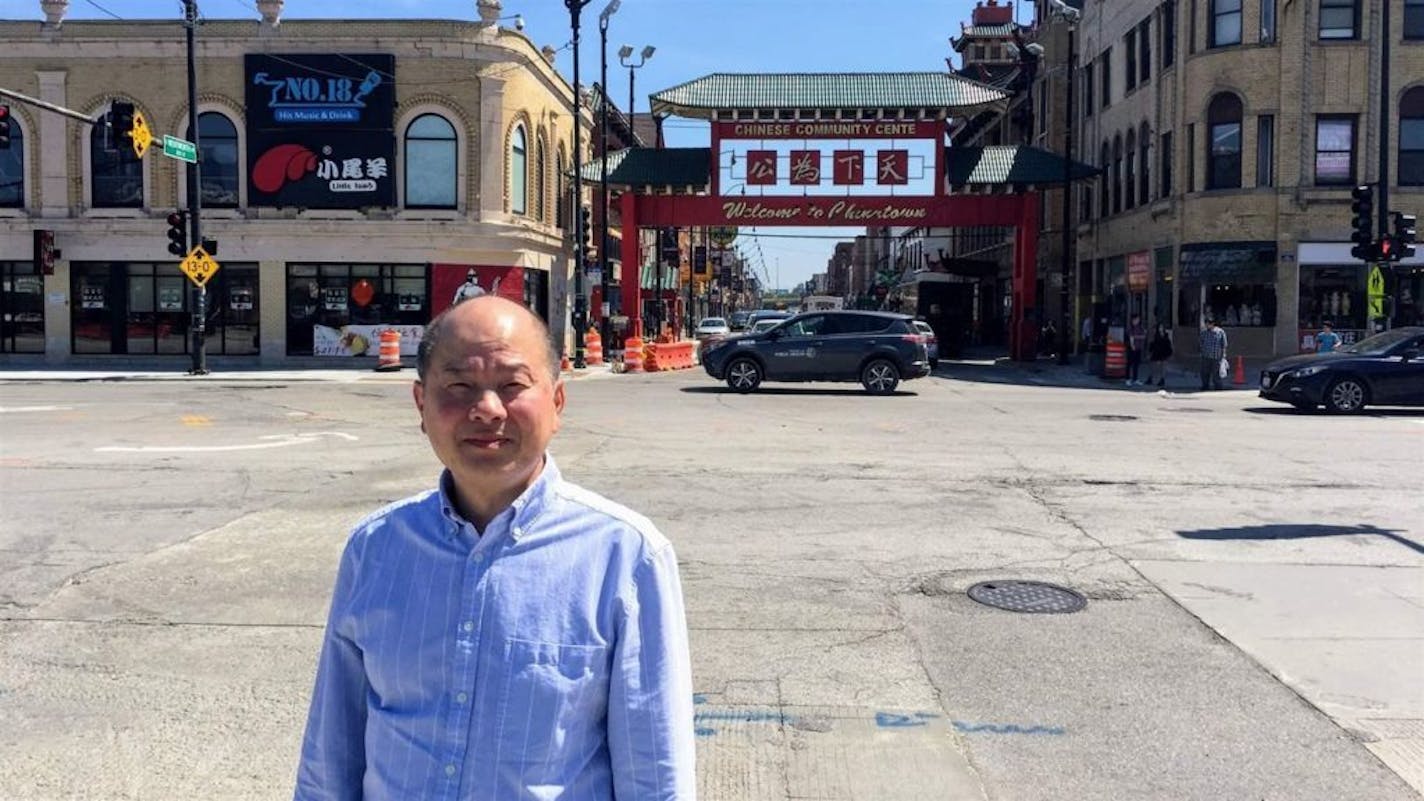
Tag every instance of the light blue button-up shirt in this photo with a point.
(546, 658)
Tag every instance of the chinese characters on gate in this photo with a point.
(814, 158)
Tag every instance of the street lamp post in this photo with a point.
(604, 327)
(575, 8)
(625, 57)
(1069, 15)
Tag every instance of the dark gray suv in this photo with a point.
(878, 349)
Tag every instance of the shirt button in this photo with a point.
(468, 625)
(518, 531)
(478, 557)
(449, 770)
(462, 697)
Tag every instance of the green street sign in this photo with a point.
(180, 149)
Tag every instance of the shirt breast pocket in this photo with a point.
(552, 706)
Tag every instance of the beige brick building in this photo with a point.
(381, 163)
(1231, 133)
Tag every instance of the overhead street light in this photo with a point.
(625, 57)
(604, 324)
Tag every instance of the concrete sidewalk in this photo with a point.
(991, 366)
(219, 375)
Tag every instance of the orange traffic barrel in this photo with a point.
(593, 348)
(390, 351)
(1115, 365)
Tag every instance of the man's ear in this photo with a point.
(417, 391)
(559, 396)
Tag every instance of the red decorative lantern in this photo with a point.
(363, 292)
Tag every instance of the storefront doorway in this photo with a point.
(21, 308)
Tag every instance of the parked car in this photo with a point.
(712, 327)
(878, 349)
(767, 314)
(931, 341)
(738, 320)
(1384, 370)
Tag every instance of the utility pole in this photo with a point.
(604, 327)
(195, 196)
(1384, 117)
(1065, 321)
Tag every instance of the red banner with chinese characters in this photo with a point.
(828, 157)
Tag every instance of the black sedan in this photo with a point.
(1384, 370)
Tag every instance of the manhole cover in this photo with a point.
(1112, 418)
(1027, 596)
(1186, 409)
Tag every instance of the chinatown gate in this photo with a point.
(834, 150)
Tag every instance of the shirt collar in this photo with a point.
(527, 507)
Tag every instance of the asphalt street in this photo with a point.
(1254, 577)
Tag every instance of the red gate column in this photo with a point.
(1023, 333)
(632, 270)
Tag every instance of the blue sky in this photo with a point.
(692, 37)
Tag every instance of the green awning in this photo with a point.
(1010, 164)
(930, 91)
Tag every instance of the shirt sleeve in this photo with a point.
(333, 759)
(650, 733)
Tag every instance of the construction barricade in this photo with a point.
(1116, 363)
(633, 355)
(390, 351)
(668, 356)
(593, 348)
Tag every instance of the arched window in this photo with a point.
(12, 168)
(541, 181)
(217, 137)
(1144, 186)
(116, 174)
(1223, 154)
(1411, 137)
(1129, 178)
(431, 163)
(1104, 187)
(518, 171)
(1117, 174)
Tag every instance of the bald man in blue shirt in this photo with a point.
(508, 634)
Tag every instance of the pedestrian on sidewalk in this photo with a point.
(506, 633)
(1213, 355)
(1136, 342)
(1159, 351)
(1327, 340)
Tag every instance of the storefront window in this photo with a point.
(337, 295)
(129, 308)
(1334, 294)
(234, 311)
(1233, 305)
(21, 308)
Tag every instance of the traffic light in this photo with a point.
(121, 119)
(1405, 235)
(4, 127)
(586, 221)
(178, 233)
(45, 254)
(1362, 205)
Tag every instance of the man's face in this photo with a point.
(488, 402)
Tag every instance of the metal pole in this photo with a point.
(195, 196)
(1064, 320)
(604, 327)
(1384, 117)
(580, 253)
(37, 103)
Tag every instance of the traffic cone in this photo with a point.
(565, 364)
(1239, 377)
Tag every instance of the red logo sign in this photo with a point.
(849, 167)
(761, 167)
(805, 167)
(281, 164)
(892, 167)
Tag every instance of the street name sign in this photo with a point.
(180, 149)
(199, 266)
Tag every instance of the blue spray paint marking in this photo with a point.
(701, 732)
(699, 698)
(702, 718)
(1007, 728)
(892, 720)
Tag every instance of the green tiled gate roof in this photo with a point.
(851, 90)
